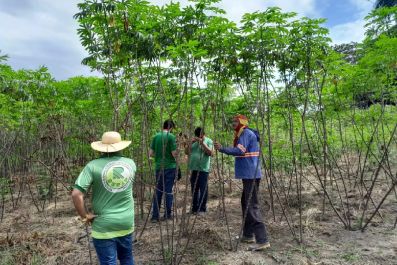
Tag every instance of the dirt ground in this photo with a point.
(55, 236)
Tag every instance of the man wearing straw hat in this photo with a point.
(111, 178)
(247, 168)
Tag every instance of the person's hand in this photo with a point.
(89, 218)
(217, 146)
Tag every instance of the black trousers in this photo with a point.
(253, 223)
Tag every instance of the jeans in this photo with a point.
(164, 183)
(109, 250)
(199, 184)
(253, 224)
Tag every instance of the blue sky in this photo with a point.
(343, 11)
(43, 32)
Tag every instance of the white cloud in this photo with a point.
(42, 33)
(348, 32)
(302, 7)
(354, 30)
(364, 6)
(37, 32)
(235, 9)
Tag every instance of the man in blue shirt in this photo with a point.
(247, 168)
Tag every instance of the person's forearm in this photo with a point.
(78, 201)
(234, 151)
(151, 153)
(175, 154)
(187, 150)
(207, 150)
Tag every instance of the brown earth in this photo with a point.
(53, 236)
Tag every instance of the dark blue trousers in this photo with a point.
(109, 250)
(164, 184)
(199, 184)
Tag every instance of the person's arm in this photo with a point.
(151, 152)
(152, 146)
(82, 184)
(78, 201)
(234, 151)
(174, 149)
(188, 148)
(239, 150)
(207, 150)
(175, 154)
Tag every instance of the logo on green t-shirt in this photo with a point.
(116, 176)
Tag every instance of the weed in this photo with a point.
(350, 256)
(6, 258)
(37, 259)
(167, 256)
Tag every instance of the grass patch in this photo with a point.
(350, 256)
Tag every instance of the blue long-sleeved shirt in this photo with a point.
(246, 153)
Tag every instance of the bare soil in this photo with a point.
(55, 236)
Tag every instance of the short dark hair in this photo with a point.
(199, 132)
(168, 124)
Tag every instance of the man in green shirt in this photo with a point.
(164, 151)
(200, 151)
(111, 178)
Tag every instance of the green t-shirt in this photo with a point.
(199, 160)
(111, 178)
(163, 144)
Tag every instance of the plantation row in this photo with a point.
(327, 115)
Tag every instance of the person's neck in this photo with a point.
(111, 154)
(238, 128)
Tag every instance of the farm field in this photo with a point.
(277, 86)
(57, 237)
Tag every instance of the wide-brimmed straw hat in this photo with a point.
(111, 142)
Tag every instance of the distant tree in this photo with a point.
(385, 3)
(350, 51)
(3, 57)
(380, 21)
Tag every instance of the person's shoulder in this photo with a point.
(94, 161)
(129, 161)
(158, 135)
(249, 133)
(208, 140)
(252, 134)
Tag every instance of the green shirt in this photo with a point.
(199, 160)
(163, 144)
(111, 178)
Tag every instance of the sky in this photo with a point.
(36, 33)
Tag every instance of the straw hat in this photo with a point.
(111, 142)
